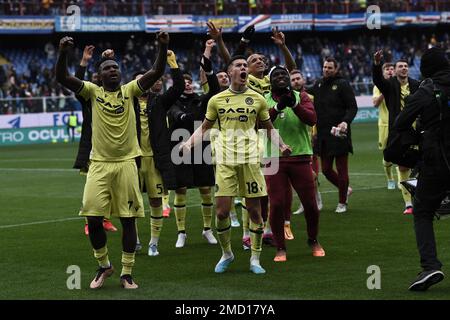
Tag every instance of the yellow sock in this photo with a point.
(102, 257)
(180, 211)
(256, 233)
(156, 223)
(388, 170)
(165, 200)
(404, 175)
(245, 220)
(127, 263)
(207, 206)
(224, 234)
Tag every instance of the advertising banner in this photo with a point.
(9, 137)
(99, 24)
(30, 120)
(26, 25)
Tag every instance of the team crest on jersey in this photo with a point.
(249, 101)
(334, 87)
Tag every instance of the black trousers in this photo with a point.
(432, 186)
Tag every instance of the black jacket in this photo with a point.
(424, 103)
(85, 145)
(334, 102)
(194, 106)
(157, 107)
(391, 91)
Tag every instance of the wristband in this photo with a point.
(245, 40)
(210, 73)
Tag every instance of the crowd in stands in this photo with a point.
(212, 7)
(355, 53)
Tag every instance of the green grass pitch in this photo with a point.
(41, 235)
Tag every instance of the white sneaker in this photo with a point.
(234, 220)
(391, 185)
(209, 236)
(153, 250)
(341, 208)
(300, 210)
(181, 241)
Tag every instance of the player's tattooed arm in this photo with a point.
(157, 70)
(62, 74)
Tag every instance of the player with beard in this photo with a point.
(335, 105)
(112, 185)
(85, 145)
(292, 114)
(395, 91)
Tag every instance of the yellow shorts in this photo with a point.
(112, 189)
(151, 178)
(383, 132)
(243, 180)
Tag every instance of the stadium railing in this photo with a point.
(68, 103)
(38, 104)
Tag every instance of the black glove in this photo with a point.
(287, 100)
(248, 33)
(187, 117)
(206, 65)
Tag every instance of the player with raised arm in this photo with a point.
(155, 172)
(112, 186)
(383, 122)
(238, 171)
(188, 109)
(85, 145)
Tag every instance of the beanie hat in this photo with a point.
(433, 60)
(275, 68)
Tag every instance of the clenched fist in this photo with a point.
(162, 37)
(66, 43)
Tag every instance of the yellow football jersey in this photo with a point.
(145, 130)
(383, 113)
(262, 86)
(404, 92)
(237, 115)
(114, 136)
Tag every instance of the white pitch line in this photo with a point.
(192, 206)
(38, 222)
(59, 220)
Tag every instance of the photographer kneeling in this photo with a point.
(430, 102)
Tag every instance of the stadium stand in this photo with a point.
(28, 71)
(213, 7)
